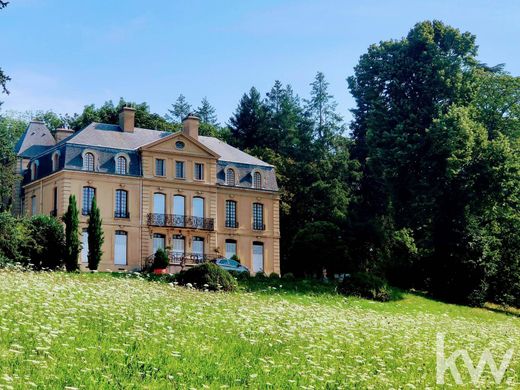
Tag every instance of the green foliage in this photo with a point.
(160, 260)
(366, 285)
(206, 112)
(8, 177)
(14, 237)
(72, 241)
(274, 275)
(95, 236)
(288, 276)
(45, 248)
(208, 276)
(180, 109)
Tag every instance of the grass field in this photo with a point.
(98, 331)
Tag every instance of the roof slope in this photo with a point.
(230, 153)
(34, 140)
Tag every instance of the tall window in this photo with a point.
(258, 257)
(84, 248)
(88, 162)
(55, 161)
(231, 248)
(178, 246)
(231, 214)
(197, 210)
(120, 247)
(34, 170)
(159, 209)
(54, 211)
(197, 246)
(179, 169)
(158, 242)
(230, 177)
(257, 180)
(34, 205)
(88, 196)
(121, 165)
(178, 210)
(199, 171)
(159, 167)
(121, 209)
(258, 216)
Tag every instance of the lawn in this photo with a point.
(97, 331)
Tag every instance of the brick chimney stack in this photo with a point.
(190, 126)
(127, 119)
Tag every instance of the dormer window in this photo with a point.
(88, 161)
(230, 177)
(55, 161)
(257, 180)
(121, 165)
(34, 170)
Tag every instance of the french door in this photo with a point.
(258, 257)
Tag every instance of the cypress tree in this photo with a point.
(72, 242)
(95, 237)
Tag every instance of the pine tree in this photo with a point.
(180, 109)
(95, 237)
(206, 112)
(72, 243)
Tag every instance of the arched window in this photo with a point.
(257, 180)
(34, 170)
(121, 165)
(230, 177)
(55, 161)
(121, 209)
(88, 161)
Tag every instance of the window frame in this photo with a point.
(258, 216)
(163, 174)
(118, 158)
(183, 165)
(55, 160)
(195, 171)
(256, 174)
(86, 210)
(227, 177)
(121, 233)
(230, 214)
(121, 204)
(86, 165)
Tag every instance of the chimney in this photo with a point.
(61, 133)
(190, 126)
(127, 119)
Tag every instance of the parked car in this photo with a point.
(231, 265)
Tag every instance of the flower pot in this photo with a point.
(160, 271)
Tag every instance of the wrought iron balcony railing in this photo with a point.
(183, 221)
(181, 259)
(258, 226)
(231, 224)
(122, 214)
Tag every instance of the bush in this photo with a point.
(47, 248)
(260, 275)
(13, 235)
(274, 275)
(160, 260)
(288, 276)
(208, 276)
(366, 285)
(240, 275)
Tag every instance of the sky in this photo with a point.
(63, 55)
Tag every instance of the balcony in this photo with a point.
(182, 259)
(258, 226)
(181, 221)
(231, 224)
(122, 214)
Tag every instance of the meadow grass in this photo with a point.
(96, 331)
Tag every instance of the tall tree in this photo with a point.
(72, 242)
(8, 175)
(3, 77)
(95, 237)
(180, 109)
(322, 109)
(207, 113)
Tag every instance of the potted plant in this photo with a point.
(160, 262)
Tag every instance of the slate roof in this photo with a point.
(34, 140)
(230, 153)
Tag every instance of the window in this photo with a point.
(230, 177)
(179, 169)
(54, 211)
(88, 196)
(178, 210)
(88, 162)
(121, 165)
(34, 170)
(159, 241)
(178, 246)
(55, 161)
(198, 212)
(257, 180)
(159, 167)
(159, 209)
(231, 248)
(231, 214)
(179, 145)
(197, 246)
(258, 257)
(120, 247)
(84, 247)
(199, 171)
(258, 216)
(121, 209)
(34, 205)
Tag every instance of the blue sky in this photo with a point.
(62, 55)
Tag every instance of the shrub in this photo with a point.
(160, 260)
(288, 276)
(260, 275)
(72, 243)
(46, 247)
(208, 276)
(274, 275)
(366, 285)
(240, 275)
(95, 236)
(13, 235)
